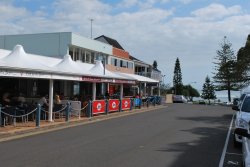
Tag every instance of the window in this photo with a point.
(92, 57)
(124, 64)
(130, 65)
(87, 54)
(120, 63)
(83, 55)
(76, 55)
(246, 104)
(113, 61)
(76, 88)
(117, 63)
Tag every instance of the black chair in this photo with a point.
(57, 110)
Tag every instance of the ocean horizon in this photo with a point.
(223, 96)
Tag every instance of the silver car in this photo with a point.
(242, 118)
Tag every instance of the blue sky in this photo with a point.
(160, 30)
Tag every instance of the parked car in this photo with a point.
(235, 102)
(245, 146)
(242, 118)
(179, 99)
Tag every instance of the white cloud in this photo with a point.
(9, 12)
(216, 11)
(186, 1)
(127, 3)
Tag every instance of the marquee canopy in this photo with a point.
(17, 63)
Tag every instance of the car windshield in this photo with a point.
(246, 104)
(242, 96)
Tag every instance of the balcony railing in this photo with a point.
(156, 76)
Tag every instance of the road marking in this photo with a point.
(226, 143)
(233, 154)
(233, 162)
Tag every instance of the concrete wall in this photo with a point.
(48, 44)
(91, 44)
(52, 44)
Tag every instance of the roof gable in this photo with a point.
(110, 41)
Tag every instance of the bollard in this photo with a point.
(106, 107)
(89, 112)
(1, 115)
(159, 100)
(67, 112)
(131, 104)
(120, 105)
(139, 99)
(38, 114)
(147, 102)
(154, 100)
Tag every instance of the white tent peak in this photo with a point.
(67, 57)
(17, 53)
(66, 60)
(68, 65)
(18, 58)
(98, 68)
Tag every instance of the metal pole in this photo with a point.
(38, 111)
(51, 87)
(0, 115)
(91, 20)
(94, 91)
(67, 112)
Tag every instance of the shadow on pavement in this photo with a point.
(207, 149)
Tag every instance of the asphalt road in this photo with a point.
(180, 135)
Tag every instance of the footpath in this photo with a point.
(21, 130)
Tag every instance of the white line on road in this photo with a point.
(226, 143)
(233, 154)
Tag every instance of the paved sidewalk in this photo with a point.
(29, 128)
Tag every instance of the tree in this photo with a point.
(155, 64)
(225, 67)
(208, 91)
(243, 63)
(177, 79)
(190, 92)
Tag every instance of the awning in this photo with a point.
(138, 78)
(18, 63)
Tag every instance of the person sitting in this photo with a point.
(6, 99)
(57, 100)
(43, 101)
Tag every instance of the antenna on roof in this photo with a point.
(91, 21)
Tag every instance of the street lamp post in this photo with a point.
(91, 21)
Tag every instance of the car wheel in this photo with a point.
(242, 164)
(236, 143)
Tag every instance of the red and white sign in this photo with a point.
(126, 103)
(113, 105)
(98, 106)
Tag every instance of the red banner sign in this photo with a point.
(113, 105)
(98, 106)
(126, 103)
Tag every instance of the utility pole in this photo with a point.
(91, 21)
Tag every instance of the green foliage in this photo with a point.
(165, 89)
(190, 92)
(225, 76)
(243, 63)
(155, 64)
(177, 79)
(208, 91)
